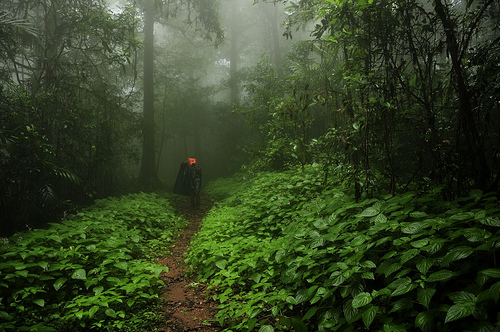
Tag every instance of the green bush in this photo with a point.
(292, 254)
(89, 272)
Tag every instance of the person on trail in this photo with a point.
(194, 182)
(189, 181)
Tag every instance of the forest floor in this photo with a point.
(187, 307)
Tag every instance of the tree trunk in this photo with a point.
(473, 154)
(233, 57)
(148, 176)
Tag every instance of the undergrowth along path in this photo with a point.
(187, 306)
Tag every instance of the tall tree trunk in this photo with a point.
(272, 18)
(473, 154)
(148, 176)
(233, 57)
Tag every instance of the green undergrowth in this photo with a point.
(288, 254)
(93, 271)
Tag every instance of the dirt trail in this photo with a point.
(187, 307)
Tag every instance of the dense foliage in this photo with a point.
(287, 252)
(67, 127)
(91, 271)
(404, 92)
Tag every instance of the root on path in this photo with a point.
(187, 306)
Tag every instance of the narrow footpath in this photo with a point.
(187, 306)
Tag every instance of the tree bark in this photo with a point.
(148, 176)
(473, 154)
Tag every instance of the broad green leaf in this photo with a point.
(321, 224)
(311, 312)
(457, 253)
(420, 243)
(495, 291)
(402, 304)
(40, 302)
(462, 296)
(79, 314)
(358, 240)
(435, 244)
(440, 275)
(121, 265)
(266, 328)
(404, 288)
(23, 273)
(256, 277)
(494, 222)
(462, 216)
(291, 300)
(110, 312)
(5, 316)
(79, 274)
(93, 310)
(298, 324)
(221, 264)
(380, 219)
(393, 268)
(418, 214)
(369, 315)
(476, 234)
(369, 212)
(424, 296)
(317, 242)
(59, 283)
(411, 228)
(368, 264)
(361, 300)
(279, 255)
(389, 254)
(425, 321)
(424, 265)
(349, 311)
(458, 311)
(494, 273)
(302, 296)
(409, 254)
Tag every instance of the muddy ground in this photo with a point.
(187, 306)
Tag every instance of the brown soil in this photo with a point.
(187, 306)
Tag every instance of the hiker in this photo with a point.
(189, 181)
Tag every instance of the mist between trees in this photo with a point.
(101, 98)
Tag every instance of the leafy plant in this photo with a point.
(290, 253)
(89, 272)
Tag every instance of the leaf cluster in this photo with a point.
(290, 253)
(93, 271)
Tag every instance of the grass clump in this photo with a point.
(288, 253)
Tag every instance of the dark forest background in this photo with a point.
(103, 98)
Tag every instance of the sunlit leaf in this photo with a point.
(79, 274)
(266, 328)
(369, 212)
(457, 254)
(458, 311)
(440, 275)
(494, 273)
(425, 321)
(361, 300)
(40, 302)
(59, 283)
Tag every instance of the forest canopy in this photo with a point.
(397, 96)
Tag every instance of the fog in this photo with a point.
(198, 84)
